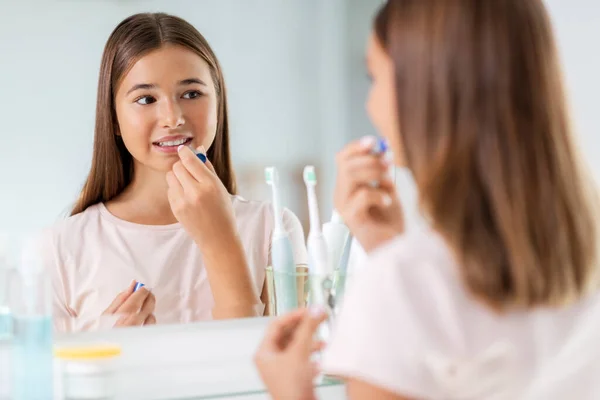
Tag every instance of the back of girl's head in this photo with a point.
(136, 36)
(485, 131)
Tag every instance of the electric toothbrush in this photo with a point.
(338, 238)
(284, 268)
(317, 246)
(320, 271)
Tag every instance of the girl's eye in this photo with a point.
(192, 94)
(144, 100)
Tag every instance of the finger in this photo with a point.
(201, 149)
(184, 177)
(210, 166)
(363, 145)
(282, 327)
(120, 299)
(129, 320)
(147, 307)
(192, 164)
(116, 303)
(134, 303)
(173, 183)
(365, 200)
(175, 193)
(201, 154)
(303, 337)
(388, 186)
(362, 170)
(288, 335)
(318, 346)
(121, 321)
(315, 369)
(346, 192)
(125, 320)
(151, 320)
(138, 319)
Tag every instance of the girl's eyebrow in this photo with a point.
(140, 86)
(185, 82)
(191, 81)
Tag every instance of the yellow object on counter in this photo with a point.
(87, 352)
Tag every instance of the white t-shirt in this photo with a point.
(409, 325)
(94, 255)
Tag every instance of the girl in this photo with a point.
(150, 210)
(497, 297)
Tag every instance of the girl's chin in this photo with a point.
(161, 166)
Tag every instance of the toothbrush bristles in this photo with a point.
(270, 175)
(309, 174)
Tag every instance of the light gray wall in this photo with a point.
(577, 27)
(276, 69)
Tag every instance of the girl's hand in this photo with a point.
(365, 196)
(283, 358)
(203, 206)
(200, 202)
(134, 309)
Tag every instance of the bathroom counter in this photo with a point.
(196, 361)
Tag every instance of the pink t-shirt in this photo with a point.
(94, 255)
(409, 325)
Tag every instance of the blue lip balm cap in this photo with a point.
(138, 286)
(202, 157)
(381, 146)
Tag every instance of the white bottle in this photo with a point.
(284, 267)
(320, 271)
(336, 235)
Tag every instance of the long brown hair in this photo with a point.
(486, 134)
(136, 36)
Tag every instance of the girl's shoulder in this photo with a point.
(52, 242)
(422, 247)
(72, 227)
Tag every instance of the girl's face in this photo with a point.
(381, 103)
(167, 99)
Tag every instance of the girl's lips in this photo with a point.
(170, 149)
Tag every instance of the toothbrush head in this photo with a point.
(310, 178)
(271, 176)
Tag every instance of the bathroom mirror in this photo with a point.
(296, 85)
(295, 78)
